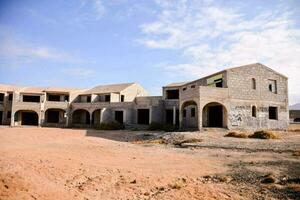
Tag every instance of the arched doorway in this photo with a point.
(189, 111)
(27, 117)
(96, 117)
(214, 115)
(55, 116)
(81, 117)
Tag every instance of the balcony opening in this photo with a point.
(31, 98)
(52, 97)
(1, 97)
(172, 94)
(143, 116)
(10, 97)
(107, 98)
(119, 116)
(273, 113)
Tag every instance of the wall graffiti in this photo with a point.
(235, 119)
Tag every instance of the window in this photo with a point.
(107, 98)
(172, 94)
(122, 98)
(273, 112)
(1, 97)
(184, 113)
(10, 97)
(193, 112)
(29, 98)
(253, 84)
(8, 114)
(272, 84)
(67, 98)
(253, 111)
(193, 86)
(215, 81)
(52, 97)
(184, 89)
(88, 99)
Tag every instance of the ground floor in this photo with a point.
(53, 163)
(189, 114)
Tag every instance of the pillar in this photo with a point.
(174, 115)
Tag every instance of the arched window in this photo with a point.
(253, 111)
(253, 84)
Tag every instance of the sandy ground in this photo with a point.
(52, 163)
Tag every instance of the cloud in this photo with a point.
(91, 9)
(79, 72)
(212, 37)
(15, 49)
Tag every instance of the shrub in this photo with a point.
(110, 126)
(236, 135)
(154, 126)
(264, 135)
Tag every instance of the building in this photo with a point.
(247, 97)
(295, 113)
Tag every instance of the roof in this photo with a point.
(176, 84)
(22, 89)
(9, 88)
(295, 107)
(108, 88)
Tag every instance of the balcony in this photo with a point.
(56, 104)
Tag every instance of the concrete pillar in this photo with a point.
(91, 118)
(174, 115)
(180, 117)
(150, 115)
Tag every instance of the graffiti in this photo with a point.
(263, 109)
(235, 119)
(242, 107)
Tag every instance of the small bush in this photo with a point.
(110, 126)
(161, 127)
(264, 135)
(176, 185)
(154, 126)
(236, 135)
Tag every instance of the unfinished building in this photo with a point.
(247, 97)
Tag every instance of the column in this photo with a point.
(174, 115)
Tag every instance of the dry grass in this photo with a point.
(264, 135)
(294, 186)
(236, 135)
(189, 140)
(156, 141)
(296, 153)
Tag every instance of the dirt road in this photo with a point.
(52, 163)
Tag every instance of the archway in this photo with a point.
(214, 115)
(81, 117)
(27, 117)
(55, 116)
(96, 117)
(189, 111)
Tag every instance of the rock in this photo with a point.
(133, 182)
(268, 179)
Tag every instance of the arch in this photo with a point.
(26, 117)
(55, 116)
(96, 117)
(253, 111)
(81, 117)
(189, 113)
(214, 114)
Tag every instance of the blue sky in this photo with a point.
(83, 43)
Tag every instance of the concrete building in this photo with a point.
(247, 97)
(295, 113)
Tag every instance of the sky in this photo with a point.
(84, 43)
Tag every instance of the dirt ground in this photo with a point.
(52, 163)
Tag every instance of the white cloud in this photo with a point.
(92, 9)
(79, 72)
(213, 37)
(16, 49)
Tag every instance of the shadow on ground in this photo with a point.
(123, 135)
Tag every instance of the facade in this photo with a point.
(247, 97)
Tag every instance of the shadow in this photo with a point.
(289, 173)
(123, 135)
